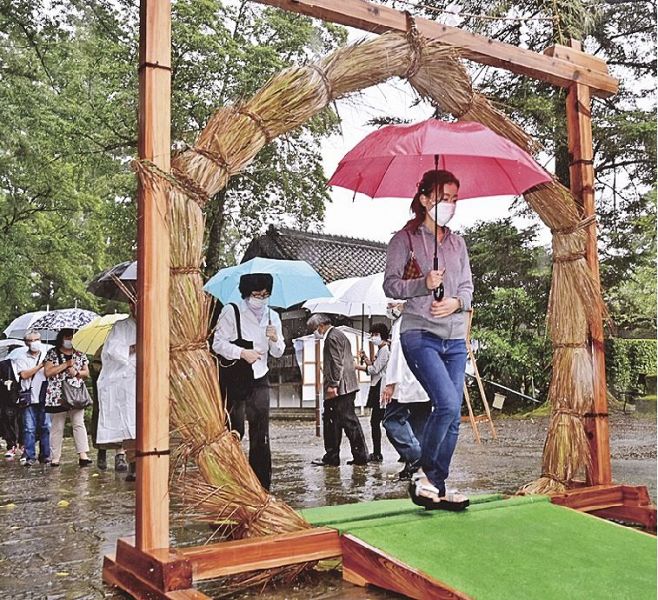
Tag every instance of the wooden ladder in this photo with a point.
(472, 418)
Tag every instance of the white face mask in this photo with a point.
(318, 335)
(34, 346)
(67, 344)
(376, 339)
(257, 303)
(445, 212)
(393, 313)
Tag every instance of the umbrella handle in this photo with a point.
(439, 292)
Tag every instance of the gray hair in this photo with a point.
(316, 320)
(32, 332)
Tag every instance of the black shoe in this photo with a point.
(101, 460)
(318, 462)
(407, 473)
(358, 463)
(375, 458)
(131, 477)
(30, 462)
(120, 464)
(85, 462)
(52, 464)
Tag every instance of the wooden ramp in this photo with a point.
(521, 547)
(498, 549)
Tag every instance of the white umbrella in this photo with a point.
(353, 297)
(20, 325)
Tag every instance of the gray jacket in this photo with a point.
(338, 363)
(457, 280)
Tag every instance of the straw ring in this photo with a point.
(325, 79)
(258, 121)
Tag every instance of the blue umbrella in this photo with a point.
(294, 281)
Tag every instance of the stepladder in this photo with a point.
(472, 368)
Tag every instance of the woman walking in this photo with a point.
(433, 326)
(65, 365)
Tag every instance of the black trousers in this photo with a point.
(11, 424)
(254, 404)
(376, 417)
(338, 416)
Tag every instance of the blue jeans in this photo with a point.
(438, 365)
(36, 425)
(404, 424)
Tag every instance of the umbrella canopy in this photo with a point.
(92, 336)
(353, 297)
(66, 318)
(294, 281)
(20, 325)
(390, 162)
(105, 284)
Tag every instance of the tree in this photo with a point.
(68, 94)
(512, 280)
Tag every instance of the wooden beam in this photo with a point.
(640, 515)
(253, 554)
(591, 498)
(364, 564)
(581, 172)
(561, 70)
(152, 492)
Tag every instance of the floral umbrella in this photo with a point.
(66, 318)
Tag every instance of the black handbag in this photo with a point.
(24, 398)
(236, 373)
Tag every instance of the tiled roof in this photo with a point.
(332, 256)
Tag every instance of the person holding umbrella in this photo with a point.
(245, 335)
(64, 364)
(428, 266)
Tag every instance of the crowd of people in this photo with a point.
(42, 387)
(416, 377)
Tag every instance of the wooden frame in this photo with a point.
(147, 567)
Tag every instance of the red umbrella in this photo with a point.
(390, 162)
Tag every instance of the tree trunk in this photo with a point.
(215, 219)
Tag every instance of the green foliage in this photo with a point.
(626, 359)
(512, 280)
(68, 106)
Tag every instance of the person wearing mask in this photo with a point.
(377, 371)
(406, 403)
(246, 334)
(433, 327)
(65, 363)
(340, 387)
(117, 392)
(36, 422)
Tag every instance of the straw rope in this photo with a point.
(223, 489)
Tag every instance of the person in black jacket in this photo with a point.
(10, 414)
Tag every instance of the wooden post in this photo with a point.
(581, 171)
(152, 493)
(318, 390)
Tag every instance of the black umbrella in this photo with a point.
(116, 283)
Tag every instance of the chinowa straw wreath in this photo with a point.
(211, 474)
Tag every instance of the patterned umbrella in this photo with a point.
(66, 318)
(20, 325)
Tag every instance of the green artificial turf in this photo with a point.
(524, 548)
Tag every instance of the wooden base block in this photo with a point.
(119, 576)
(631, 504)
(365, 565)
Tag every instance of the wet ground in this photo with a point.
(55, 524)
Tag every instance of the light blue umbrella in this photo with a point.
(294, 281)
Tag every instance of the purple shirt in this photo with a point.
(457, 280)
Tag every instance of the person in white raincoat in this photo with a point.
(117, 387)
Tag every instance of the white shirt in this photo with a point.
(253, 329)
(407, 388)
(25, 363)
